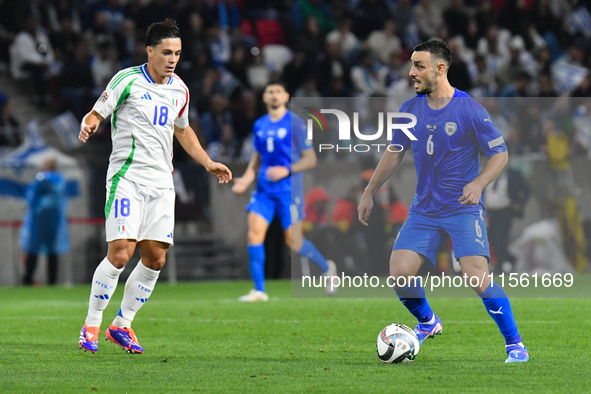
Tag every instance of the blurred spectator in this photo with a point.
(518, 88)
(65, 40)
(396, 70)
(316, 203)
(545, 87)
(9, 127)
(513, 67)
(103, 66)
(77, 81)
(219, 45)
(30, 56)
(456, 19)
(238, 64)
(99, 33)
(364, 77)
(369, 14)
(383, 43)
(332, 66)
(504, 199)
(258, 74)
(429, 19)
(244, 116)
(458, 75)
(126, 41)
(483, 83)
(485, 17)
(155, 11)
(312, 39)
(45, 228)
(296, 70)
(347, 41)
(318, 9)
(402, 12)
(582, 124)
(214, 121)
(494, 47)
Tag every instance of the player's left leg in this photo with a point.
(497, 304)
(290, 209)
(138, 288)
(294, 238)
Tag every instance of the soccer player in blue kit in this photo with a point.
(282, 154)
(451, 128)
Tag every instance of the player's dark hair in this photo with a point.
(437, 48)
(160, 31)
(280, 83)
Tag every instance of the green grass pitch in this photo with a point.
(197, 337)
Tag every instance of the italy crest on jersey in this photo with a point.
(450, 128)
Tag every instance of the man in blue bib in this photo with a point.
(450, 130)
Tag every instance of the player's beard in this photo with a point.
(427, 86)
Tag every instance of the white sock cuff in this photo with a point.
(146, 272)
(109, 269)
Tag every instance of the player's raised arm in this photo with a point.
(473, 190)
(191, 145)
(386, 167)
(242, 183)
(89, 125)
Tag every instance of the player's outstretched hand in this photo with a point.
(221, 171)
(240, 185)
(277, 173)
(472, 193)
(364, 208)
(86, 131)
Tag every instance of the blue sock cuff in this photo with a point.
(412, 291)
(514, 340)
(494, 290)
(309, 250)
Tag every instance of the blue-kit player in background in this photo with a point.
(451, 129)
(282, 153)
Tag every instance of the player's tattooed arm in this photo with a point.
(473, 190)
(386, 167)
(191, 145)
(89, 125)
(242, 183)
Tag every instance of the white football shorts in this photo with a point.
(139, 212)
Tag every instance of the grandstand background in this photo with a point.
(56, 56)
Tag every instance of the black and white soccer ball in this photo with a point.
(397, 343)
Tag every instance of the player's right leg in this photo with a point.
(104, 283)
(123, 215)
(404, 266)
(418, 242)
(257, 229)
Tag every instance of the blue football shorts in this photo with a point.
(426, 235)
(290, 209)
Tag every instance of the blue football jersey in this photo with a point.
(280, 143)
(446, 151)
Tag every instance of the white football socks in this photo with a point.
(104, 283)
(138, 289)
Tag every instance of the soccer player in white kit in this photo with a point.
(147, 104)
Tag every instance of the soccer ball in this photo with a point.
(397, 343)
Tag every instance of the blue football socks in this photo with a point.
(498, 307)
(413, 298)
(309, 250)
(256, 259)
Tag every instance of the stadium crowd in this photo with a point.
(69, 49)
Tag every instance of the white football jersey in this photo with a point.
(144, 114)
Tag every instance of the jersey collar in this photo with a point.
(144, 69)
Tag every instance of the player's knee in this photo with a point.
(155, 262)
(119, 258)
(255, 237)
(294, 244)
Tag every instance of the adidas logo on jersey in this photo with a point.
(147, 96)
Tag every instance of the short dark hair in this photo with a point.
(161, 30)
(437, 48)
(280, 83)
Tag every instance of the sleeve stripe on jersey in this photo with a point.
(186, 101)
(124, 95)
(117, 80)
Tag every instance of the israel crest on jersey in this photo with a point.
(450, 128)
(282, 132)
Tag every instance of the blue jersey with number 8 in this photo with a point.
(280, 143)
